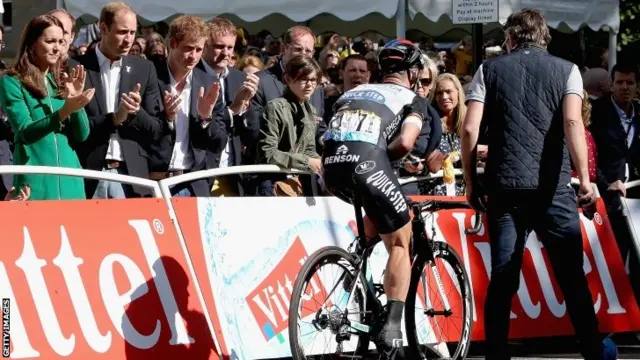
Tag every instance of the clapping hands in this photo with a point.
(207, 100)
(76, 97)
(129, 104)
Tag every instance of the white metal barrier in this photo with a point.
(458, 173)
(633, 230)
(632, 184)
(88, 174)
(166, 184)
(161, 189)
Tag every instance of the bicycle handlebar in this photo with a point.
(477, 226)
(435, 205)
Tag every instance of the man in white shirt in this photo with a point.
(189, 95)
(237, 90)
(125, 112)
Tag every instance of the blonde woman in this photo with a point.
(329, 58)
(250, 64)
(427, 77)
(448, 99)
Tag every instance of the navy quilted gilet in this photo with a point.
(523, 116)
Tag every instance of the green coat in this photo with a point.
(41, 139)
(282, 120)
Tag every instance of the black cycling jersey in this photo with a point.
(374, 113)
(355, 159)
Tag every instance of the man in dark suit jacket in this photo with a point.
(616, 131)
(192, 124)
(125, 112)
(298, 40)
(238, 89)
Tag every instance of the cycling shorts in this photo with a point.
(354, 169)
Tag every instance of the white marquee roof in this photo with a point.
(352, 17)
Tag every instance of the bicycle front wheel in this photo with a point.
(327, 307)
(439, 306)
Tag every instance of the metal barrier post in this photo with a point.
(166, 194)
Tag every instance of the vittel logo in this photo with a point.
(607, 300)
(269, 302)
(67, 264)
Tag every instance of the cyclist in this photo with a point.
(376, 124)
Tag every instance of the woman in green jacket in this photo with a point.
(45, 110)
(288, 128)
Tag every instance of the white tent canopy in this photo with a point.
(352, 17)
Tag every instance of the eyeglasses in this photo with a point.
(306, 81)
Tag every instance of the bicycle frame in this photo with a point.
(422, 244)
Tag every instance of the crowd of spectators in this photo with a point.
(208, 95)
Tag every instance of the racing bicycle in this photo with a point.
(336, 300)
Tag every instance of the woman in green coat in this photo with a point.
(45, 110)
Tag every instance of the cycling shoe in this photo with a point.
(389, 344)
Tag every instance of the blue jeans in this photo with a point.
(511, 216)
(181, 190)
(111, 189)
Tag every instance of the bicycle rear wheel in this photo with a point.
(425, 306)
(322, 310)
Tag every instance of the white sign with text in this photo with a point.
(474, 11)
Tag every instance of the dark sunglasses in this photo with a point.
(425, 82)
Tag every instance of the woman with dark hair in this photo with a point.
(44, 107)
(288, 126)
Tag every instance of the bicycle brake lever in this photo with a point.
(477, 226)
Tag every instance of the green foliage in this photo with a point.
(629, 23)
